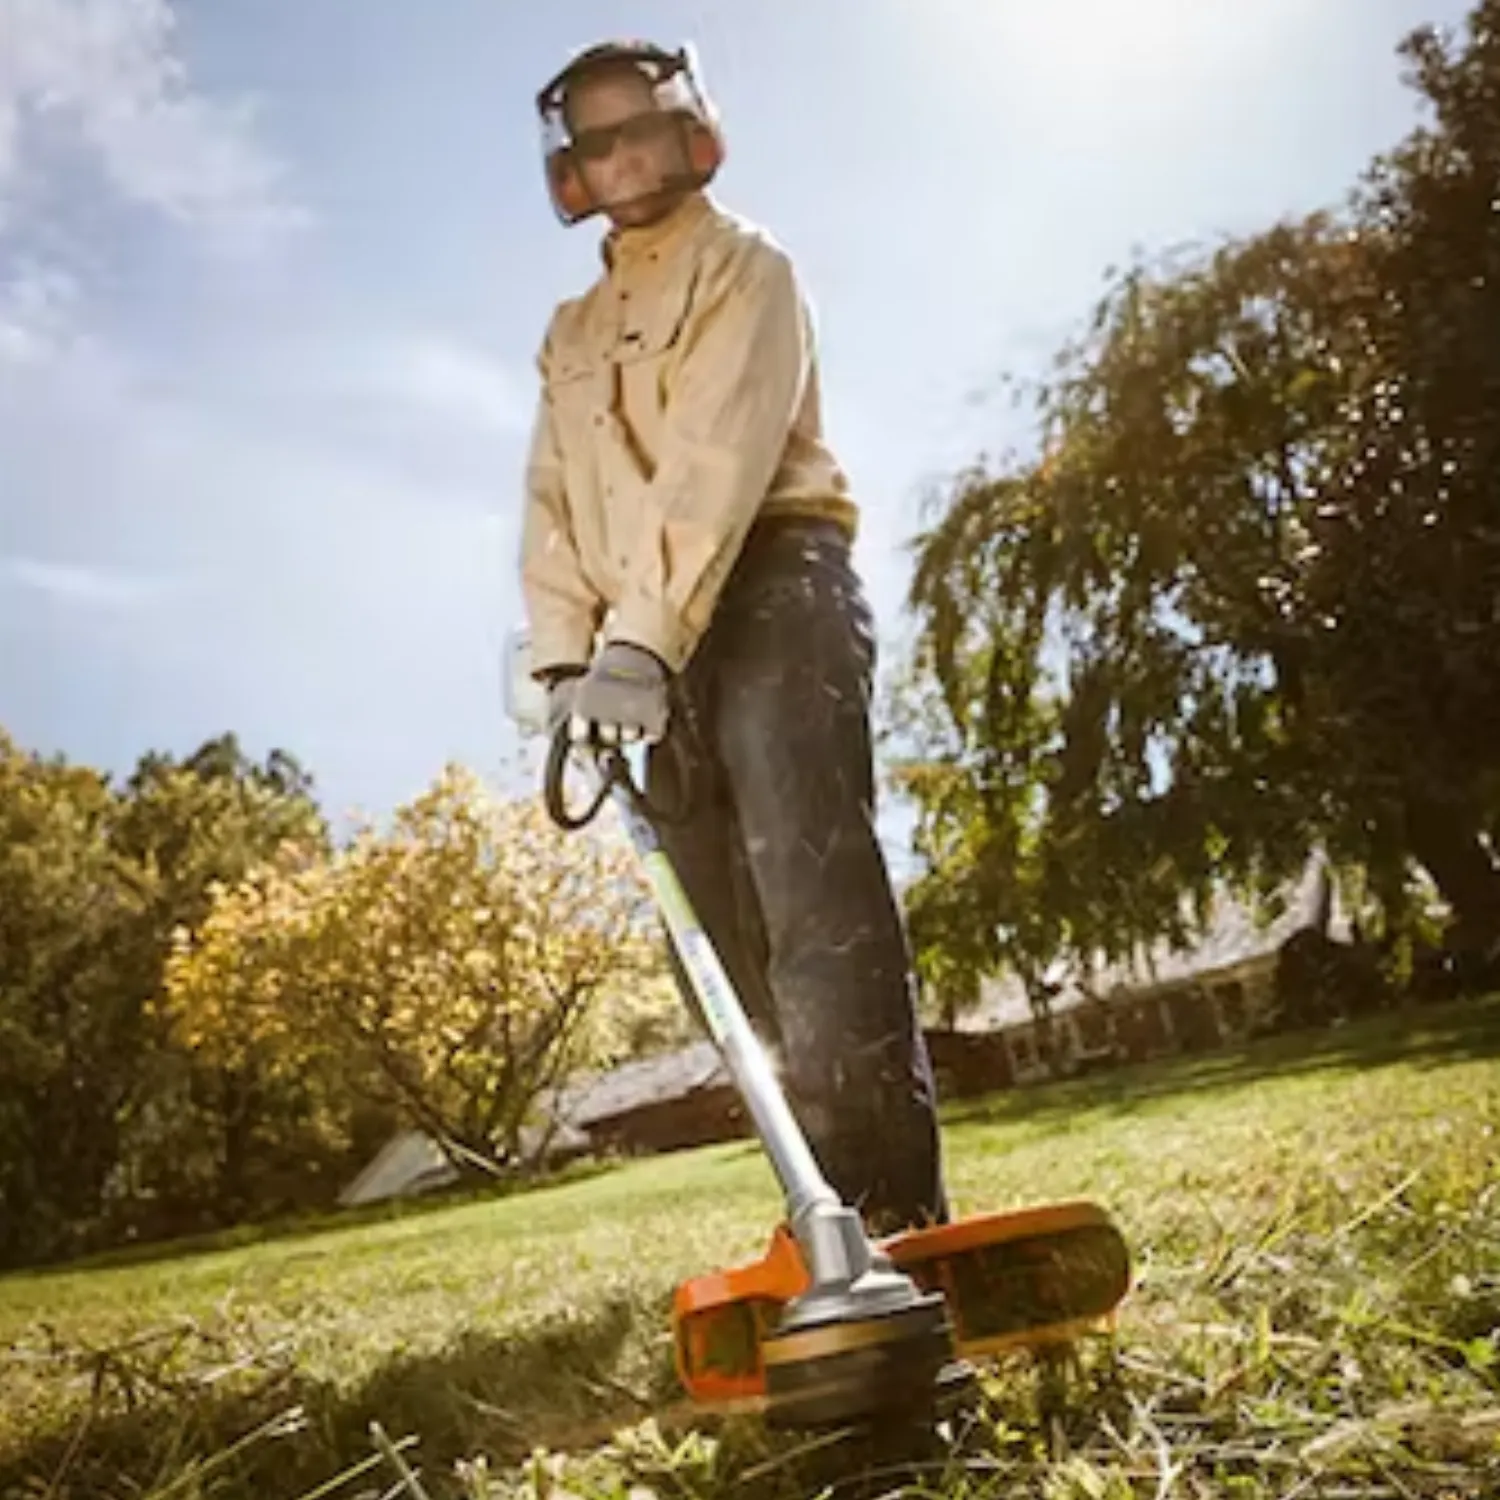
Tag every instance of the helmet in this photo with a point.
(674, 81)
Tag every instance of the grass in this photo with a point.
(1316, 1223)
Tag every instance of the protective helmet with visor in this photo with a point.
(678, 97)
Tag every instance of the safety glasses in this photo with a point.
(597, 143)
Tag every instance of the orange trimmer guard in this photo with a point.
(719, 1320)
(1019, 1279)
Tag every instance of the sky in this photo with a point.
(273, 275)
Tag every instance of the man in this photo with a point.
(684, 506)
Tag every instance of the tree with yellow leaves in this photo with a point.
(456, 966)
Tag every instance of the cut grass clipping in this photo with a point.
(1315, 1221)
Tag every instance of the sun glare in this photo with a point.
(1067, 47)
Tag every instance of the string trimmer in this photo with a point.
(829, 1326)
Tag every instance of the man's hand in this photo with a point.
(562, 688)
(623, 698)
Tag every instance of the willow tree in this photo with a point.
(1246, 602)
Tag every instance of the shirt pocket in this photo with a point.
(576, 385)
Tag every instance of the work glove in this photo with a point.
(562, 686)
(623, 697)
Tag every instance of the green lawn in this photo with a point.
(1316, 1223)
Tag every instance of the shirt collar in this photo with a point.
(624, 248)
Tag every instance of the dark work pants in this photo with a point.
(779, 857)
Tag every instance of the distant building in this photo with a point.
(410, 1163)
(1220, 990)
(660, 1103)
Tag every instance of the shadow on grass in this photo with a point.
(557, 1390)
(557, 1386)
(1424, 1036)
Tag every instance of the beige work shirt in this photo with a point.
(680, 402)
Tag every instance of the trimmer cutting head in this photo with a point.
(761, 1337)
(871, 1350)
(855, 1369)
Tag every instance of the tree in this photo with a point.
(103, 1129)
(203, 1145)
(72, 914)
(1430, 459)
(1243, 605)
(453, 969)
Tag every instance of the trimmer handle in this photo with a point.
(614, 773)
(552, 782)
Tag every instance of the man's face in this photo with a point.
(625, 147)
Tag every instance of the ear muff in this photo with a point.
(703, 145)
(674, 80)
(705, 150)
(569, 195)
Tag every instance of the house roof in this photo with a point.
(563, 1136)
(410, 1161)
(641, 1082)
(1235, 935)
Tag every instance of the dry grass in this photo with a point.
(1317, 1227)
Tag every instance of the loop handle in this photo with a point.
(614, 771)
(552, 785)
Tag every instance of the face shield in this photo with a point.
(673, 102)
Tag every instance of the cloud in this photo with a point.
(462, 383)
(107, 73)
(435, 407)
(37, 309)
(434, 380)
(84, 584)
(180, 565)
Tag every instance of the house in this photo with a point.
(410, 1163)
(1163, 1000)
(966, 1063)
(660, 1103)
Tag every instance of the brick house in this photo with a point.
(661, 1103)
(1219, 991)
